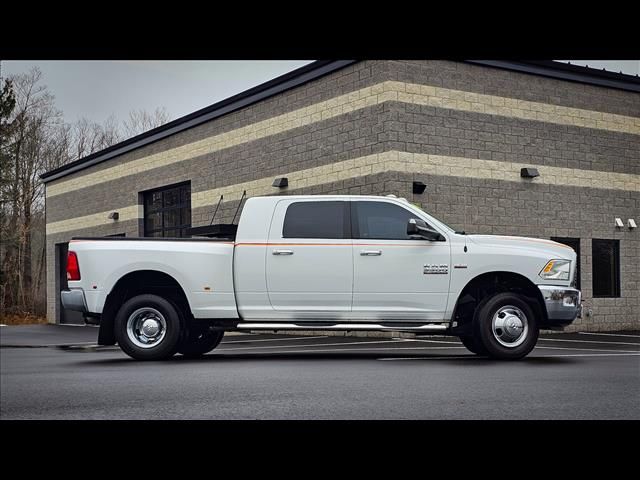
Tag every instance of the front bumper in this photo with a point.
(563, 303)
(74, 300)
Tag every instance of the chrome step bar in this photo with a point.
(430, 327)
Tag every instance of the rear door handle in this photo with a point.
(283, 252)
(370, 253)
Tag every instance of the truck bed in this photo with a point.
(155, 239)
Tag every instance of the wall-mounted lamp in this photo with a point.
(419, 187)
(632, 224)
(619, 223)
(114, 216)
(529, 172)
(280, 182)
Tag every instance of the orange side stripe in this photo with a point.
(332, 245)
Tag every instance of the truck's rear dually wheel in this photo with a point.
(199, 339)
(147, 327)
(473, 345)
(506, 326)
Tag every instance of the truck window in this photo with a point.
(316, 220)
(380, 221)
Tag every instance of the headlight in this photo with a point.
(556, 270)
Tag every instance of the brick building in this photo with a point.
(465, 129)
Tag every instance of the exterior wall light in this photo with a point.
(619, 223)
(632, 224)
(280, 182)
(529, 172)
(114, 216)
(419, 187)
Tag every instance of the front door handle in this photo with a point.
(283, 252)
(370, 253)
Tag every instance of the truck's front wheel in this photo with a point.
(506, 326)
(147, 327)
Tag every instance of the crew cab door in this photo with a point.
(396, 277)
(309, 259)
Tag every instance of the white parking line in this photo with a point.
(610, 334)
(317, 345)
(593, 355)
(586, 341)
(71, 325)
(588, 349)
(540, 356)
(47, 345)
(430, 341)
(272, 340)
(540, 339)
(448, 357)
(348, 349)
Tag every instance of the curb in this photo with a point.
(25, 346)
(90, 348)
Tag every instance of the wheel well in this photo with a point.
(489, 284)
(137, 283)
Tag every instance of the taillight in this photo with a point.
(73, 269)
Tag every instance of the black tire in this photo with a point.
(483, 328)
(167, 345)
(473, 345)
(199, 340)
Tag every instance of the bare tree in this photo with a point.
(35, 123)
(34, 139)
(88, 137)
(140, 121)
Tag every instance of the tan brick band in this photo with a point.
(132, 212)
(373, 95)
(378, 163)
(395, 161)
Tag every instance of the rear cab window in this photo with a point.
(317, 219)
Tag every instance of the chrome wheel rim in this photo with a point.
(510, 326)
(146, 327)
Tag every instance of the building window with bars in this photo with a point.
(167, 211)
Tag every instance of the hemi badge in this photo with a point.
(460, 265)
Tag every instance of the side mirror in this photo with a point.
(419, 228)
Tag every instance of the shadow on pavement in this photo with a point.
(452, 359)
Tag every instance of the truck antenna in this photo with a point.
(239, 204)
(216, 210)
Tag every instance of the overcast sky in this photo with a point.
(98, 89)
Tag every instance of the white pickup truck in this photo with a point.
(322, 263)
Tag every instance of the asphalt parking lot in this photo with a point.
(53, 372)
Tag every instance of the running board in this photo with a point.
(431, 327)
